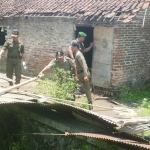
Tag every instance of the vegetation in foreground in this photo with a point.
(60, 85)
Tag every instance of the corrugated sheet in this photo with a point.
(109, 123)
(111, 138)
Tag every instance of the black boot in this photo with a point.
(10, 83)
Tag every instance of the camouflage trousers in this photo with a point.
(86, 86)
(14, 65)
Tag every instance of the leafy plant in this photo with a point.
(21, 145)
(61, 85)
(10, 124)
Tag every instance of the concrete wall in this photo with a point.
(42, 37)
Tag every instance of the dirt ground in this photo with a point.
(102, 105)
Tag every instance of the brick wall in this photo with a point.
(42, 37)
(131, 55)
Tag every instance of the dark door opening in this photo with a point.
(89, 31)
(3, 33)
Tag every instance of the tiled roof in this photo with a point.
(80, 9)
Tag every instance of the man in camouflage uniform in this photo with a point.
(61, 62)
(82, 69)
(15, 53)
(80, 40)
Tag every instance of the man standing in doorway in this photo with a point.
(82, 69)
(80, 40)
(15, 53)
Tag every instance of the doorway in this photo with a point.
(3, 34)
(89, 31)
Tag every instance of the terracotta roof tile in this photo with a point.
(145, 5)
(87, 9)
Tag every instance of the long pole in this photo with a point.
(18, 85)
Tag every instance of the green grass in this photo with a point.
(128, 95)
(83, 100)
(141, 97)
(143, 110)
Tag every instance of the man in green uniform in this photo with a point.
(15, 53)
(61, 62)
(80, 40)
(82, 69)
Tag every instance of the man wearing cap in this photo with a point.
(15, 52)
(82, 69)
(61, 62)
(80, 40)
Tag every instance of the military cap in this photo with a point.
(82, 34)
(59, 54)
(75, 43)
(15, 32)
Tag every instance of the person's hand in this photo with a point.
(24, 63)
(76, 79)
(40, 74)
(91, 44)
(86, 78)
(73, 60)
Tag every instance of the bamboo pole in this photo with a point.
(7, 79)
(62, 100)
(25, 77)
(18, 85)
(102, 107)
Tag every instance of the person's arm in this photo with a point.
(89, 48)
(75, 71)
(73, 65)
(52, 63)
(1, 52)
(70, 53)
(5, 47)
(76, 74)
(44, 70)
(24, 57)
(22, 53)
(84, 67)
